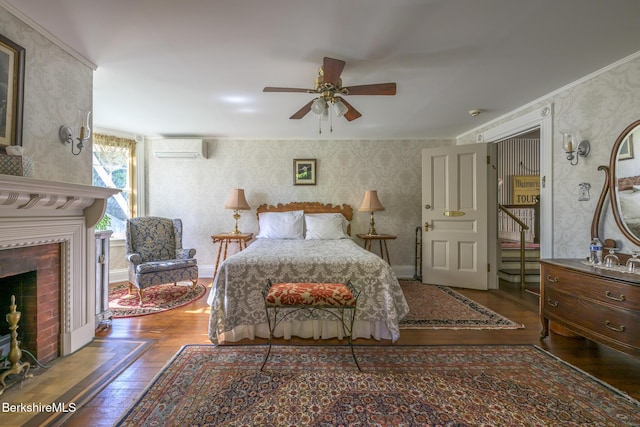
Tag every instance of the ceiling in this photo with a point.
(198, 67)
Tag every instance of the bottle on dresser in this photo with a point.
(595, 252)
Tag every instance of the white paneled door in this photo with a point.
(459, 189)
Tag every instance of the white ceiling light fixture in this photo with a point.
(321, 106)
(339, 107)
(328, 85)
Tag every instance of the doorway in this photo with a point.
(518, 170)
(541, 119)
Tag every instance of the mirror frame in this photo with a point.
(613, 182)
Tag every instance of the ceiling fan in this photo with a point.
(328, 85)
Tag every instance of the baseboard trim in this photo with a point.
(118, 275)
(404, 271)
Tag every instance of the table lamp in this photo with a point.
(371, 203)
(237, 202)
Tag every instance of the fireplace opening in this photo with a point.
(23, 287)
(32, 274)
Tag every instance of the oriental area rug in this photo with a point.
(439, 307)
(156, 298)
(472, 385)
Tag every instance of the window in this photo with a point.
(114, 166)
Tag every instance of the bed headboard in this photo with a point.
(628, 182)
(310, 207)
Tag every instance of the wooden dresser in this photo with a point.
(602, 305)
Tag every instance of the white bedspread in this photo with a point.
(237, 304)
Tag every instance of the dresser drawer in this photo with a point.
(618, 294)
(604, 320)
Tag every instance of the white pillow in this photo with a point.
(330, 226)
(629, 205)
(281, 225)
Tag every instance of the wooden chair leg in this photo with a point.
(140, 293)
(195, 283)
(130, 289)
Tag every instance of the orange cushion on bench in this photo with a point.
(310, 294)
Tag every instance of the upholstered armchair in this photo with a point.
(155, 254)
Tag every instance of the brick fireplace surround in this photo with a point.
(47, 227)
(38, 300)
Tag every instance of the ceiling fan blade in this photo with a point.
(303, 111)
(375, 89)
(332, 68)
(287, 89)
(351, 113)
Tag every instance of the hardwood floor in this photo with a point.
(188, 325)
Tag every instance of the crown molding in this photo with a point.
(47, 34)
(546, 99)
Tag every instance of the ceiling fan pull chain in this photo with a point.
(330, 121)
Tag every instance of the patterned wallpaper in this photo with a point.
(56, 86)
(196, 190)
(600, 108)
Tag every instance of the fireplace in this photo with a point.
(47, 256)
(32, 275)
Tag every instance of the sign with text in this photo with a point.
(525, 189)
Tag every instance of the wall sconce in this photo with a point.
(570, 147)
(84, 132)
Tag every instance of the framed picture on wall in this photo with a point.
(626, 149)
(304, 172)
(11, 92)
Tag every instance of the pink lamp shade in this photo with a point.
(237, 202)
(371, 203)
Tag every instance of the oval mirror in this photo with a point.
(624, 185)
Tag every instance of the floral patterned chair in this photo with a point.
(155, 255)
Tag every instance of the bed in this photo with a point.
(320, 250)
(629, 202)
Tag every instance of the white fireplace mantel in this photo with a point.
(33, 197)
(34, 212)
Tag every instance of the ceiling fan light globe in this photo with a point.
(340, 108)
(318, 105)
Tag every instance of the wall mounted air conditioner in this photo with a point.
(188, 148)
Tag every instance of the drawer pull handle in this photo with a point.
(552, 303)
(552, 279)
(610, 296)
(613, 328)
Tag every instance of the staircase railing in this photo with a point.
(523, 228)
